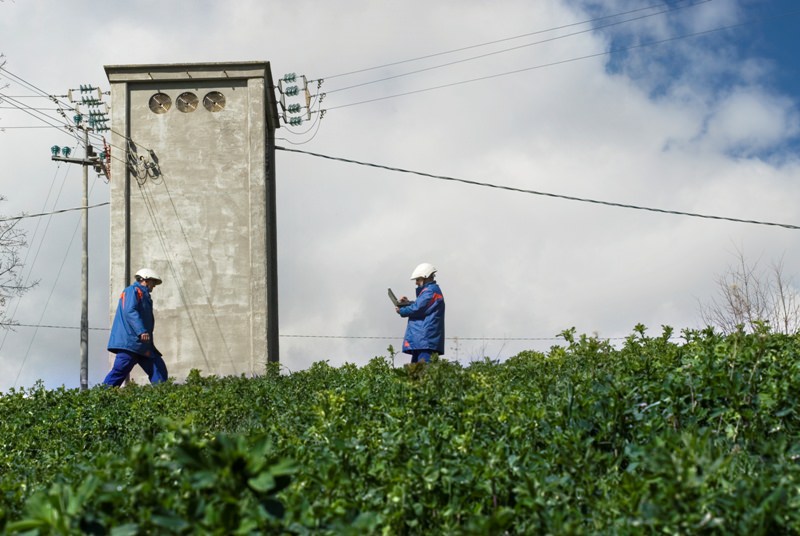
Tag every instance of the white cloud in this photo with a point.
(749, 120)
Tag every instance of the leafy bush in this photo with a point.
(173, 483)
(656, 436)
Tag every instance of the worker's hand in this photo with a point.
(144, 337)
(397, 310)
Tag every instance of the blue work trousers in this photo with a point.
(421, 355)
(154, 367)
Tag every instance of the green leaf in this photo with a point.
(264, 482)
(129, 529)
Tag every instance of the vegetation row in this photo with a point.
(698, 434)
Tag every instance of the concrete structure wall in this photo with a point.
(194, 199)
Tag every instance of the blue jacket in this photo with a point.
(425, 329)
(134, 316)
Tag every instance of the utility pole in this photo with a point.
(85, 268)
(97, 162)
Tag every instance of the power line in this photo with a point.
(67, 127)
(169, 254)
(29, 107)
(559, 62)
(40, 116)
(295, 336)
(503, 51)
(24, 127)
(199, 275)
(345, 337)
(535, 192)
(537, 32)
(49, 297)
(12, 325)
(26, 216)
(41, 240)
(41, 93)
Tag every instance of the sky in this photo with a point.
(683, 106)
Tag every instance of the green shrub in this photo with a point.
(697, 435)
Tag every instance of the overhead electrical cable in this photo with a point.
(505, 39)
(67, 128)
(2, 127)
(38, 93)
(302, 336)
(49, 297)
(315, 125)
(296, 336)
(56, 99)
(26, 216)
(41, 93)
(559, 62)
(41, 240)
(199, 273)
(33, 112)
(12, 325)
(545, 194)
(169, 253)
(505, 50)
(37, 109)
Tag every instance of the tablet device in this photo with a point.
(396, 302)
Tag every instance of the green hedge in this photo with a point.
(697, 434)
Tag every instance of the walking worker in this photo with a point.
(131, 336)
(425, 331)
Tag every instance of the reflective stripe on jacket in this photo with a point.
(134, 316)
(425, 329)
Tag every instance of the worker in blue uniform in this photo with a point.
(425, 332)
(131, 336)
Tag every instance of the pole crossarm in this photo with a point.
(81, 161)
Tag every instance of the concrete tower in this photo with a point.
(193, 198)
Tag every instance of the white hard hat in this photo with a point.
(425, 270)
(147, 273)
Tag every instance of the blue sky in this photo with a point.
(706, 124)
(742, 44)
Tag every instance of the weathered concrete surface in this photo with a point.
(197, 204)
